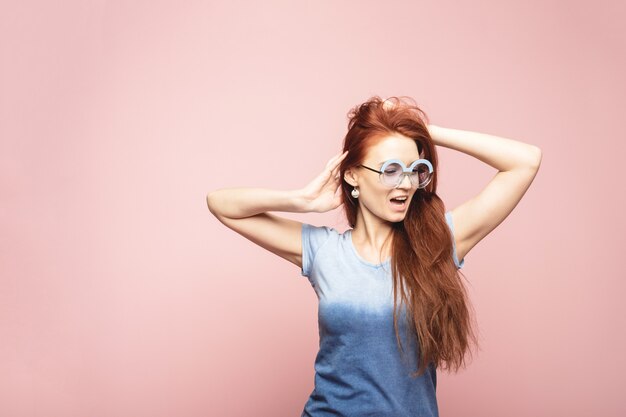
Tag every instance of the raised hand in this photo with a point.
(320, 195)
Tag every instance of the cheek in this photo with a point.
(373, 194)
(375, 202)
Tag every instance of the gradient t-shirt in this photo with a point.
(359, 370)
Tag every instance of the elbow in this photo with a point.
(536, 158)
(530, 158)
(210, 203)
(218, 204)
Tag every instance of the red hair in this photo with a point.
(425, 277)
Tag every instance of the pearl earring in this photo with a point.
(355, 193)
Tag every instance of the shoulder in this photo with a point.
(315, 238)
(317, 235)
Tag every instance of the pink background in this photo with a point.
(121, 295)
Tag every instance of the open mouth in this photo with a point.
(399, 202)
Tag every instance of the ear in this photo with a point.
(350, 178)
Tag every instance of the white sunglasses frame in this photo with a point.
(405, 171)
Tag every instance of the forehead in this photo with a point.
(393, 147)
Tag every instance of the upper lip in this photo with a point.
(398, 196)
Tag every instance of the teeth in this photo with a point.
(400, 198)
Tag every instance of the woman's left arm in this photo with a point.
(517, 164)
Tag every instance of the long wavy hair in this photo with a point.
(425, 277)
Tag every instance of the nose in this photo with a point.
(405, 182)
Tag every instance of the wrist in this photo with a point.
(434, 132)
(298, 200)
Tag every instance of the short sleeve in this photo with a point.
(313, 238)
(458, 264)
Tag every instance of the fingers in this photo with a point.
(336, 160)
(335, 170)
(335, 174)
(331, 172)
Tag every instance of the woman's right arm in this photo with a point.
(245, 210)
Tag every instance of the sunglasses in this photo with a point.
(393, 171)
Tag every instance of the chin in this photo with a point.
(398, 218)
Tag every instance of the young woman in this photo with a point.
(392, 307)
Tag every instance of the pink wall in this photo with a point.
(120, 294)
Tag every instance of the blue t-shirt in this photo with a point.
(359, 370)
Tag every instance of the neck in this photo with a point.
(372, 234)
